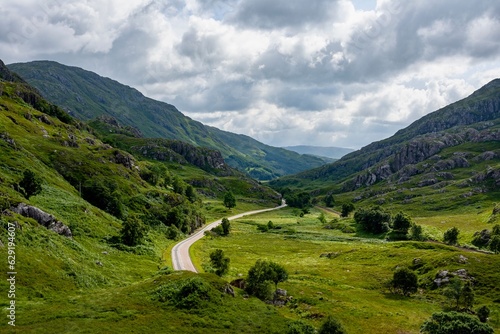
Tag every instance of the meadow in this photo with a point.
(346, 274)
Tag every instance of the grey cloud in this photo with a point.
(265, 14)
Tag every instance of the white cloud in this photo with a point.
(286, 72)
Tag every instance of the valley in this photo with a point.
(99, 183)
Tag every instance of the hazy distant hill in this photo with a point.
(457, 146)
(86, 95)
(329, 152)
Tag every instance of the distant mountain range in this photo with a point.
(86, 95)
(321, 151)
(455, 149)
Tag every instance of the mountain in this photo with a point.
(82, 218)
(86, 95)
(329, 152)
(457, 146)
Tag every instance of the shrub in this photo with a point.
(416, 232)
(219, 262)
(451, 236)
(346, 210)
(226, 226)
(483, 313)
(30, 184)
(401, 223)
(494, 245)
(261, 275)
(404, 281)
(331, 326)
(454, 323)
(299, 327)
(374, 220)
(190, 293)
(133, 231)
(481, 239)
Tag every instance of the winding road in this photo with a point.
(180, 252)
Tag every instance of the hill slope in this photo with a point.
(86, 95)
(68, 232)
(329, 152)
(455, 143)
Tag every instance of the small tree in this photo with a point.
(454, 291)
(30, 184)
(219, 262)
(451, 236)
(404, 281)
(191, 193)
(346, 210)
(401, 223)
(133, 231)
(331, 326)
(279, 274)
(229, 200)
(329, 201)
(226, 226)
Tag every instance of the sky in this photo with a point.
(285, 72)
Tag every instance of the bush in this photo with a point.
(451, 236)
(219, 262)
(347, 208)
(483, 313)
(261, 275)
(416, 232)
(226, 226)
(133, 231)
(299, 327)
(229, 200)
(104, 195)
(454, 323)
(401, 223)
(494, 245)
(31, 185)
(374, 220)
(404, 281)
(190, 293)
(331, 326)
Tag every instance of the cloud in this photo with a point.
(286, 72)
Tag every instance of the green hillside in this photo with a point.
(86, 95)
(451, 155)
(89, 225)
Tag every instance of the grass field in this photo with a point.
(351, 284)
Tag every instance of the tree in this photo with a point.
(229, 200)
(373, 220)
(331, 326)
(404, 281)
(346, 210)
(279, 273)
(454, 323)
(191, 193)
(226, 226)
(30, 184)
(451, 236)
(179, 186)
(454, 291)
(261, 275)
(219, 262)
(401, 223)
(133, 231)
(329, 201)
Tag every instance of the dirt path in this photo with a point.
(180, 252)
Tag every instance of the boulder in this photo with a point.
(43, 218)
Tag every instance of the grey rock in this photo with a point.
(43, 218)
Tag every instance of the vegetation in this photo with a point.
(331, 326)
(260, 276)
(229, 200)
(31, 185)
(451, 236)
(133, 231)
(219, 262)
(374, 220)
(347, 208)
(454, 323)
(404, 281)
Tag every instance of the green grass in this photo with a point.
(350, 285)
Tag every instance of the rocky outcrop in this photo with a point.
(181, 152)
(124, 159)
(43, 218)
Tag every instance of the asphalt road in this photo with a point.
(180, 252)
